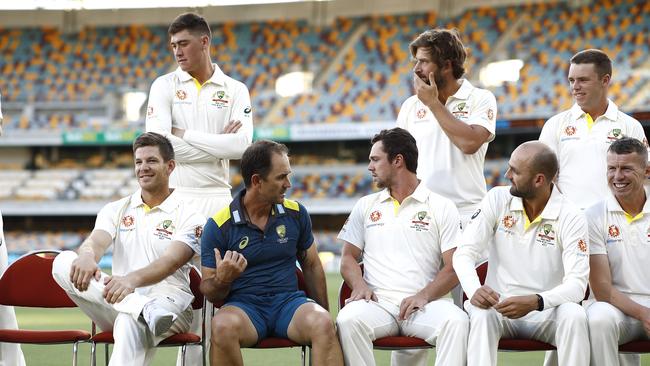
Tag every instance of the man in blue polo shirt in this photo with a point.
(248, 255)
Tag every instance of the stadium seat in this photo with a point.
(385, 343)
(277, 342)
(28, 282)
(177, 340)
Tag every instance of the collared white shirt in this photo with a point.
(626, 244)
(549, 258)
(443, 167)
(141, 235)
(582, 153)
(403, 243)
(202, 155)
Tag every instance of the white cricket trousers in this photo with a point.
(564, 326)
(10, 353)
(206, 201)
(609, 327)
(440, 323)
(134, 342)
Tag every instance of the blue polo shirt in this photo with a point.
(271, 254)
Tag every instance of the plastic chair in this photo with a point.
(277, 342)
(177, 340)
(28, 282)
(392, 343)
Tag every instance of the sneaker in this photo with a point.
(158, 319)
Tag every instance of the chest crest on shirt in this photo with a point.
(420, 221)
(506, 224)
(461, 110)
(614, 134)
(220, 99)
(545, 235)
(281, 230)
(165, 230)
(128, 223)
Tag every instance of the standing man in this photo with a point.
(154, 235)
(249, 253)
(406, 237)
(581, 135)
(539, 265)
(618, 234)
(10, 353)
(452, 122)
(207, 116)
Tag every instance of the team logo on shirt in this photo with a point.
(198, 231)
(220, 99)
(421, 113)
(149, 111)
(582, 245)
(613, 231)
(165, 230)
(247, 110)
(281, 230)
(490, 114)
(375, 216)
(508, 221)
(128, 221)
(243, 242)
(181, 94)
(476, 213)
(461, 106)
(461, 111)
(546, 235)
(570, 130)
(614, 134)
(420, 221)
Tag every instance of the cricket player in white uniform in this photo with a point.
(10, 353)
(538, 263)
(208, 118)
(619, 255)
(405, 236)
(581, 135)
(154, 235)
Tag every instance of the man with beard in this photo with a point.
(248, 259)
(539, 263)
(405, 236)
(452, 122)
(619, 254)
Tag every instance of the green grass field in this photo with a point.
(60, 355)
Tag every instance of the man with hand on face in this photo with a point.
(619, 255)
(154, 235)
(249, 253)
(538, 263)
(406, 237)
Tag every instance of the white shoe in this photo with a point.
(158, 319)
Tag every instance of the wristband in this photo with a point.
(540, 302)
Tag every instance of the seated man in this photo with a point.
(619, 254)
(406, 236)
(154, 235)
(249, 253)
(539, 264)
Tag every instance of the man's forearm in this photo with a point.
(316, 284)
(214, 290)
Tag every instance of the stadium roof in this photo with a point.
(128, 4)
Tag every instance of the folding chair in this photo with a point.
(177, 340)
(277, 342)
(28, 282)
(393, 343)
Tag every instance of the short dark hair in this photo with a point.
(601, 61)
(545, 162)
(629, 145)
(194, 23)
(398, 141)
(257, 159)
(443, 45)
(154, 139)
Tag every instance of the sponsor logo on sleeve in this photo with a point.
(421, 113)
(198, 231)
(490, 114)
(582, 246)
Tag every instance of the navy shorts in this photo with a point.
(270, 314)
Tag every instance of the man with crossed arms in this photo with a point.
(539, 266)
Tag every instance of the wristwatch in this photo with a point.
(540, 302)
